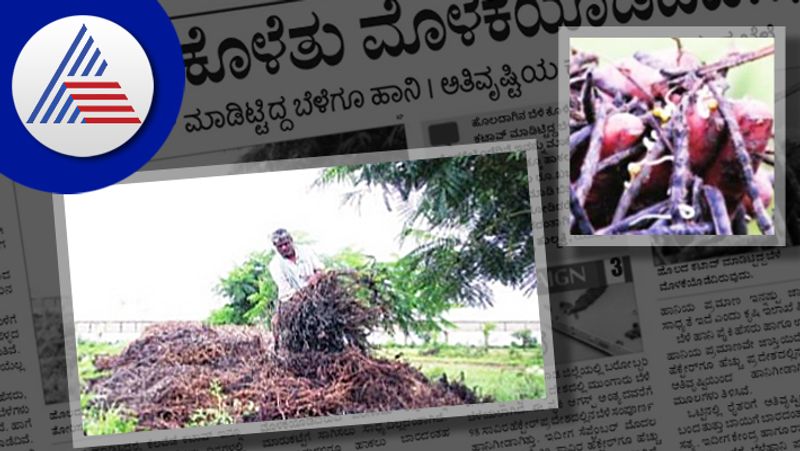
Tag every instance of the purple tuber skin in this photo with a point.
(643, 80)
(622, 130)
(765, 191)
(705, 132)
(715, 154)
(755, 121)
(629, 78)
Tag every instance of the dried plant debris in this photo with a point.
(656, 146)
(176, 372)
(327, 317)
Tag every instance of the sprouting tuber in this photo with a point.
(657, 106)
(755, 122)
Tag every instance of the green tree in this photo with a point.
(250, 291)
(525, 337)
(415, 305)
(470, 214)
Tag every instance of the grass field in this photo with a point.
(99, 421)
(506, 374)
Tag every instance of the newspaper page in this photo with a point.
(726, 346)
(653, 350)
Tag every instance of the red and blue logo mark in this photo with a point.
(83, 86)
(96, 88)
(84, 89)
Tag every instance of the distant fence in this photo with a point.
(465, 332)
(111, 327)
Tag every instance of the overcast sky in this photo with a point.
(154, 251)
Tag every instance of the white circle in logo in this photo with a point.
(82, 86)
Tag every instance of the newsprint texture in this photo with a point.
(656, 348)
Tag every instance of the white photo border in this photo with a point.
(566, 238)
(550, 401)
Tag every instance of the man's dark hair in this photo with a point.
(280, 234)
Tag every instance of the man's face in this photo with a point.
(285, 247)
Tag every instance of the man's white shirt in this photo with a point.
(290, 276)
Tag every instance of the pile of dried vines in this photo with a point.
(326, 316)
(657, 148)
(165, 377)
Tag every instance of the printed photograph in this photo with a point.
(672, 136)
(49, 332)
(292, 294)
(594, 310)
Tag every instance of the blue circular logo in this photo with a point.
(93, 91)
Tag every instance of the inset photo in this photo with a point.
(674, 137)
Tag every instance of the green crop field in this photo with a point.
(96, 420)
(505, 373)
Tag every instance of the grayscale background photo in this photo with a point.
(687, 346)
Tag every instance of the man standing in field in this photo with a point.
(292, 269)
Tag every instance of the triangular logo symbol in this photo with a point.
(79, 91)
